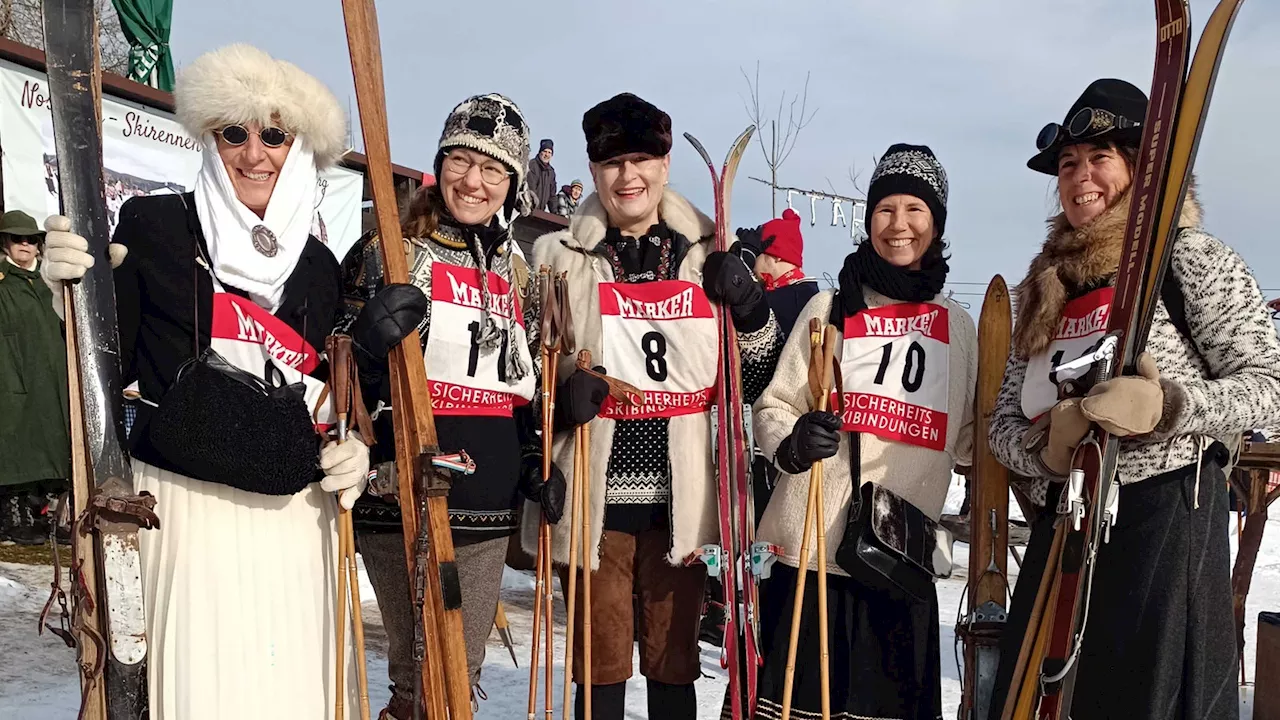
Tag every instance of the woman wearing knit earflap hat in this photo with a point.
(480, 338)
(239, 577)
(1160, 640)
(908, 359)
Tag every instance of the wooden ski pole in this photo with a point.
(826, 338)
(584, 448)
(444, 687)
(570, 596)
(817, 370)
(343, 385)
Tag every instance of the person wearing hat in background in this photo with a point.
(565, 203)
(542, 177)
(483, 359)
(635, 243)
(776, 251)
(35, 445)
(883, 642)
(1160, 641)
(240, 575)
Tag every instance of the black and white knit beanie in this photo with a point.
(911, 170)
(492, 124)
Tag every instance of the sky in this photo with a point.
(973, 80)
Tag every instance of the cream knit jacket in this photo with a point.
(919, 475)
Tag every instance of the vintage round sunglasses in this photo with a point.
(271, 137)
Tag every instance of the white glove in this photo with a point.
(66, 257)
(346, 469)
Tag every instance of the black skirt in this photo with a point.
(884, 653)
(1160, 637)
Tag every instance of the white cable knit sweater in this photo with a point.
(919, 475)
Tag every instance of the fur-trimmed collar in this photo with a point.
(1073, 259)
(590, 223)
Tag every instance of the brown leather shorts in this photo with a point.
(670, 607)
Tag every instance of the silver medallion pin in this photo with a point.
(264, 241)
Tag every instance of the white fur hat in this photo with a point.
(241, 84)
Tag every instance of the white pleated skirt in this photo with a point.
(240, 601)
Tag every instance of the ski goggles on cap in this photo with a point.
(236, 135)
(1085, 124)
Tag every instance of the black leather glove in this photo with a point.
(816, 436)
(387, 318)
(578, 399)
(750, 245)
(547, 493)
(726, 279)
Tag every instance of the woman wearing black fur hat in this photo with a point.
(644, 290)
(480, 338)
(1160, 639)
(908, 356)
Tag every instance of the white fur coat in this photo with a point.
(693, 487)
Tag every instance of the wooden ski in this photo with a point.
(988, 587)
(110, 510)
(423, 485)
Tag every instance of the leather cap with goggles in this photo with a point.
(1108, 111)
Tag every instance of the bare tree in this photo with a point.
(22, 21)
(778, 149)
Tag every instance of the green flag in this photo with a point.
(146, 25)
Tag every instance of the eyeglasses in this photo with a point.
(491, 173)
(24, 239)
(236, 135)
(1087, 123)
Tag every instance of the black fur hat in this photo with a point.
(626, 124)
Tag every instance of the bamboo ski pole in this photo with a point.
(827, 338)
(342, 385)
(817, 371)
(584, 448)
(504, 632)
(570, 596)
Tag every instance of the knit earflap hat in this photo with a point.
(626, 124)
(492, 124)
(911, 170)
(782, 238)
(240, 84)
(1109, 110)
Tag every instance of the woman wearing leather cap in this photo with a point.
(1160, 639)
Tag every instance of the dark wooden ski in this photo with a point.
(113, 513)
(1171, 134)
(988, 587)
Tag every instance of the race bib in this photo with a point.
(465, 378)
(1083, 324)
(660, 337)
(248, 336)
(896, 367)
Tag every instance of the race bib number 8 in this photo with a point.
(1082, 325)
(896, 367)
(660, 337)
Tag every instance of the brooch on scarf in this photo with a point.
(264, 241)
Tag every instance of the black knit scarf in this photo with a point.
(865, 267)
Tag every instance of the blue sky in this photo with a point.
(973, 80)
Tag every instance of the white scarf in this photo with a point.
(228, 225)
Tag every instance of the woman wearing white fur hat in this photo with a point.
(239, 578)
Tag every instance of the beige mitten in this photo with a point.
(1067, 427)
(1128, 405)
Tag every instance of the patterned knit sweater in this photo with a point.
(1218, 383)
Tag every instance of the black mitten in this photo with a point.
(578, 399)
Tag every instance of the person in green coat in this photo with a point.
(35, 444)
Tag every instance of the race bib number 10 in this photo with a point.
(660, 337)
(895, 362)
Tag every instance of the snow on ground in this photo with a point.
(38, 681)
